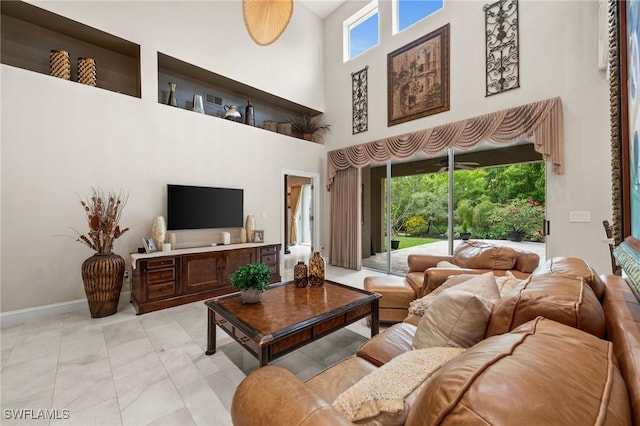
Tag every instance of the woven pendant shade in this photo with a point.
(266, 19)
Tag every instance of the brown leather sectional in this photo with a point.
(580, 367)
(470, 257)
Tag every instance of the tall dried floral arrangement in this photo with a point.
(103, 214)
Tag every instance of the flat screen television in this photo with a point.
(201, 207)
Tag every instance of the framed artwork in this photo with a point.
(632, 145)
(418, 78)
(258, 236)
(624, 85)
(149, 245)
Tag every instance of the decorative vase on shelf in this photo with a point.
(300, 277)
(172, 239)
(87, 71)
(60, 64)
(158, 230)
(243, 235)
(249, 116)
(316, 270)
(197, 104)
(102, 275)
(172, 95)
(250, 226)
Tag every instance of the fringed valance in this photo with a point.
(539, 122)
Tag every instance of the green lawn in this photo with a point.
(406, 242)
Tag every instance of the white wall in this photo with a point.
(59, 138)
(558, 57)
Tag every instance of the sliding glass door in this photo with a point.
(427, 206)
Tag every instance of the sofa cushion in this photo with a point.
(543, 370)
(458, 317)
(416, 281)
(331, 382)
(481, 255)
(384, 346)
(381, 397)
(564, 299)
(572, 267)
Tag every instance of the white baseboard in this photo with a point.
(20, 316)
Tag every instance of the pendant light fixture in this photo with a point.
(266, 20)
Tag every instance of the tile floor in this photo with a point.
(126, 369)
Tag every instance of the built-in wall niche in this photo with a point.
(218, 91)
(29, 33)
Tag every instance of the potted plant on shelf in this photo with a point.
(252, 280)
(102, 273)
(309, 127)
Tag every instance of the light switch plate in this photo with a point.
(580, 216)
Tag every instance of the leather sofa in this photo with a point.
(427, 272)
(562, 347)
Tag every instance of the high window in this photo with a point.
(361, 31)
(408, 12)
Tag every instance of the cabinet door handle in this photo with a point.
(244, 340)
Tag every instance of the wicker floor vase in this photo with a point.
(102, 275)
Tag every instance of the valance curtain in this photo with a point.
(345, 248)
(538, 122)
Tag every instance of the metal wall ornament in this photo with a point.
(360, 100)
(502, 46)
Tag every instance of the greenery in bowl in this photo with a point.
(252, 275)
(307, 125)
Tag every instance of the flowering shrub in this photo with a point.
(416, 225)
(524, 216)
(103, 214)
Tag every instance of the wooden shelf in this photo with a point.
(218, 91)
(29, 33)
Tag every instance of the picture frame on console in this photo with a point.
(149, 245)
(258, 236)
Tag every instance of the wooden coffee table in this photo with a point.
(289, 317)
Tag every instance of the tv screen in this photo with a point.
(199, 207)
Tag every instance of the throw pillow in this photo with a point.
(382, 397)
(456, 318)
(459, 315)
(446, 264)
(419, 306)
(483, 285)
(507, 283)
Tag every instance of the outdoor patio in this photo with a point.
(399, 257)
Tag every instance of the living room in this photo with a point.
(60, 138)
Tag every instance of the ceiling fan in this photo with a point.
(458, 165)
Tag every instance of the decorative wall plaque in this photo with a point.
(502, 46)
(360, 100)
